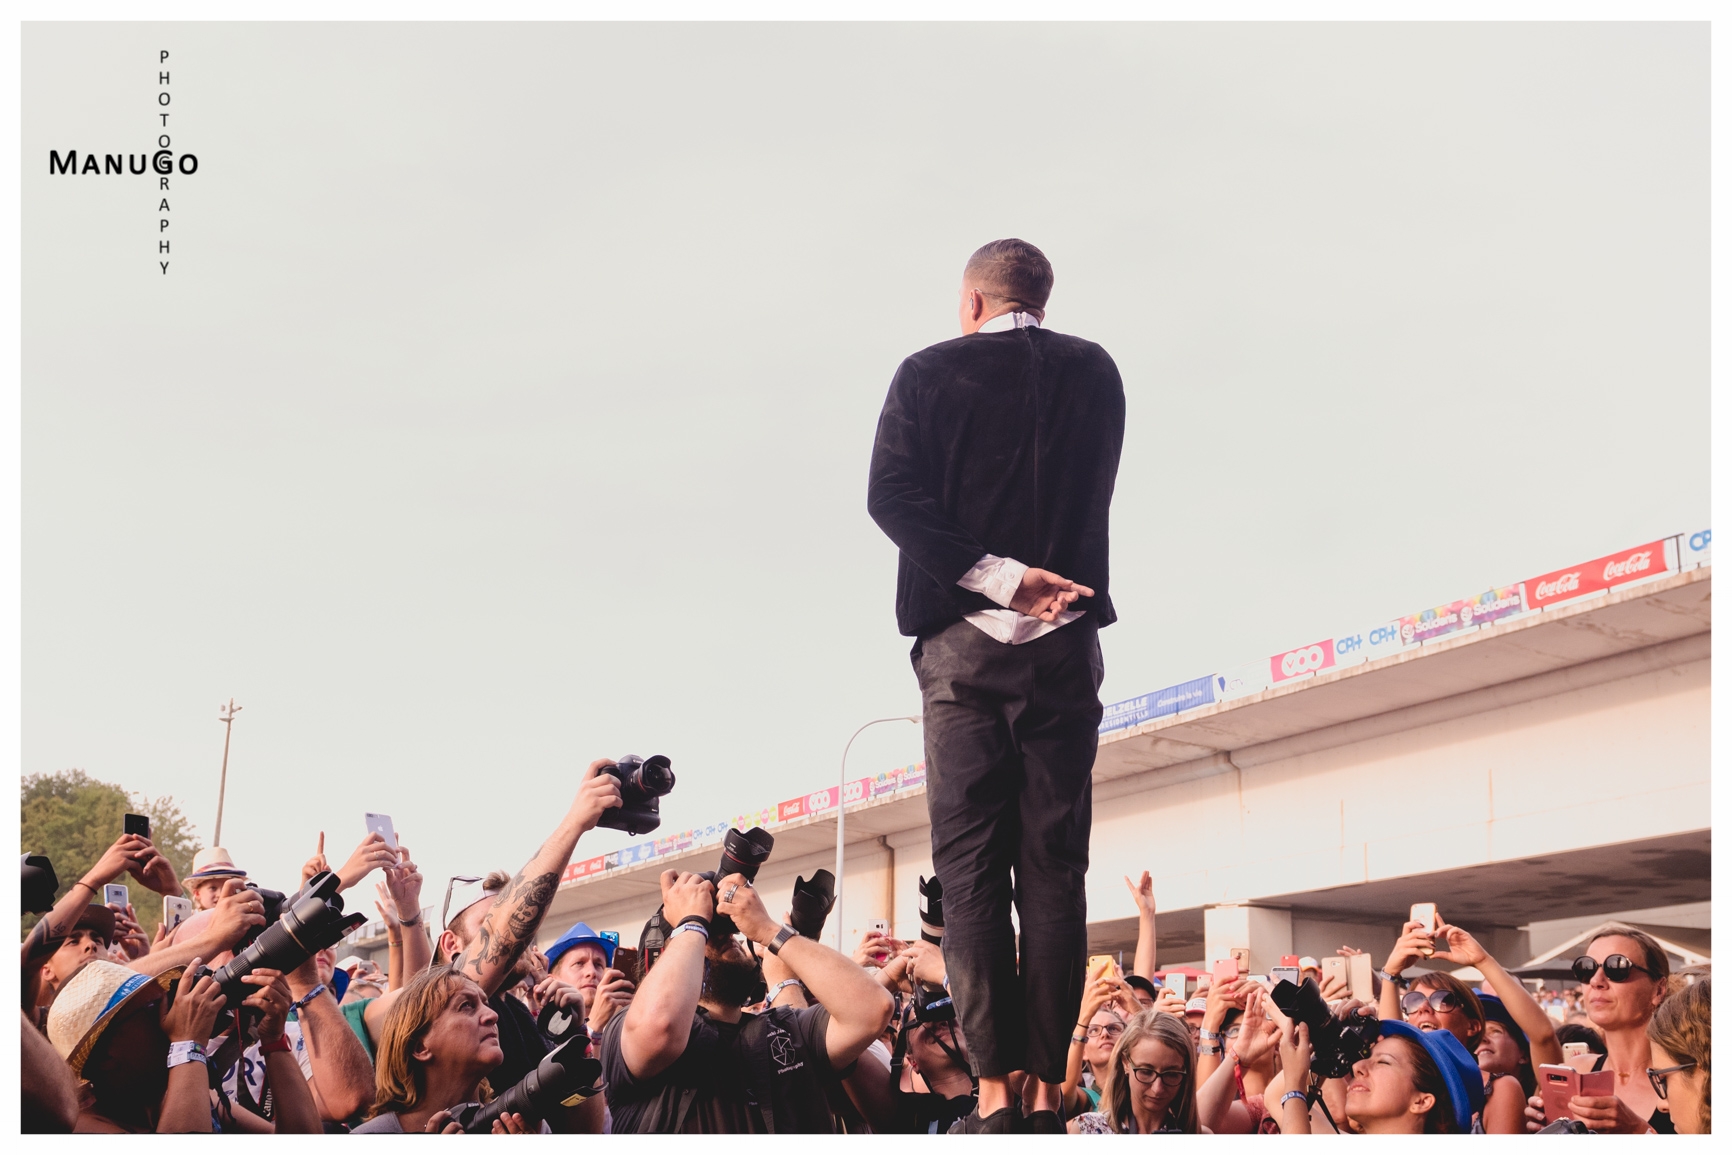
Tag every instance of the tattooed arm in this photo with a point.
(510, 925)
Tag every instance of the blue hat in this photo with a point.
(1496, 1012)
(582, 933)
(1461, 1077)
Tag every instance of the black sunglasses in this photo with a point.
(1657, 1076)
(1619, 968)
(1414, 1001)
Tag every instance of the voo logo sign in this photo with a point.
(1304, 660)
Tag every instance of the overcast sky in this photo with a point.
(509, 397)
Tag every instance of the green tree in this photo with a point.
(72, 818)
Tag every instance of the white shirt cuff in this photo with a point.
(996, 577)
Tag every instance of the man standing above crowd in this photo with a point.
(993, 471)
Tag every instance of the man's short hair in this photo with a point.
(1012, 270)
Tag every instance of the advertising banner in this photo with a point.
(1381, 640)
(1697, 549)
(1602, 573)
(914, 775)
(1302, 661)
(583, 869)
(1136, 711)
(1241, 681)
(1440, 621)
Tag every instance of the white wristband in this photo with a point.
(780, 987)
(184, 1052)
(695, 927)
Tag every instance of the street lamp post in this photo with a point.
(225, 715)
(842, 814)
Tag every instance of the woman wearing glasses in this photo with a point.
(1678, 1036)
(1151, 1085)
(1097, 1032)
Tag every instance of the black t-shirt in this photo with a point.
(766, 1072)
(930, 1114)
(519, 1038)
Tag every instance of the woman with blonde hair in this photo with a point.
(438, 1044)
(1678, 1038)
(1151, 1083)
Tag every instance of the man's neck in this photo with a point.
(717, 1011)
(949, 1084)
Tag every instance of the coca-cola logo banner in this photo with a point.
(1615, 569)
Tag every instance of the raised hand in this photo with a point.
(736, 899)
(686, 894)
(926, 962)
(874, 949)
(1258, 1033)
(315, 865)
(403, 880)
(1414, 944)
(115, 861)
(611, 997)
(1463, 948)
(237, 911)
(154, 871)
(128, 935)
(1045, 595)
(599, 791)
(386, 906)
(373, 853)
(1142, 893)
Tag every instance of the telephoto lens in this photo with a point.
(39, 884)
(811, 904)
(741, 854)
(642, 782)
(313, 921)
(932, 910)
(564, 1078)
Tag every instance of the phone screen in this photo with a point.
(382, 824)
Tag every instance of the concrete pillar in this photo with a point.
(1267, 931)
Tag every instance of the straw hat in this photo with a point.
(96, 997)
(213, 862)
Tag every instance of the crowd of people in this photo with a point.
(723, 1018)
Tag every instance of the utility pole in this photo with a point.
(225, 715)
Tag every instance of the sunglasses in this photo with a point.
(1657, 1076)
(445, 911)
(1110, 1030)
(1619, 968)
(1147, 1076)
(1439, 1001)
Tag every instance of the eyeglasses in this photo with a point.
(1439, 1001)
(1110, 1030)
(1657, 1076)
(1147, 1076)
(1619, 968)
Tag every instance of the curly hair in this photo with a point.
(1680, 1028)
(1170, 1031)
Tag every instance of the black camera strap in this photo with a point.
(1315, 1096)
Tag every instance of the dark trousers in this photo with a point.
(1010, 747)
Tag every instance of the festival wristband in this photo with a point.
(1207, 1035)
(1079, 1038)
(693, 927)
(272, 1046)
(184, 1052)
(1291, 1095)
(1389, 978)
(695, 919)
(310, 996)
(780, 987)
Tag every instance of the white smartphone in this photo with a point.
(382, 823)
(881, 925)
(175, 910)
(114, 894)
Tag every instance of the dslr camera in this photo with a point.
(642, 782)
(1336, 1043)
(741, 854)
(564, 1078)
(295, 930)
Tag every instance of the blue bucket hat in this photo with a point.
(582, 933)
(1496, 1012)
(1461, 1077)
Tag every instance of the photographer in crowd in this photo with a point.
(581, 977)
(1413, 1083)
(685, 1058)
(493, 925)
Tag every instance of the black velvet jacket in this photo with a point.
(1003, 443)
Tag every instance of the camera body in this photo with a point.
(563, 1078)
(1336, 1043)
(742, 854)
(38, 884)
(294, 932)
(642, 782)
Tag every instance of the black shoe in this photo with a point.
(1044, 1123)
(1005, 1121)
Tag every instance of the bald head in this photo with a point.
(1011, 271)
